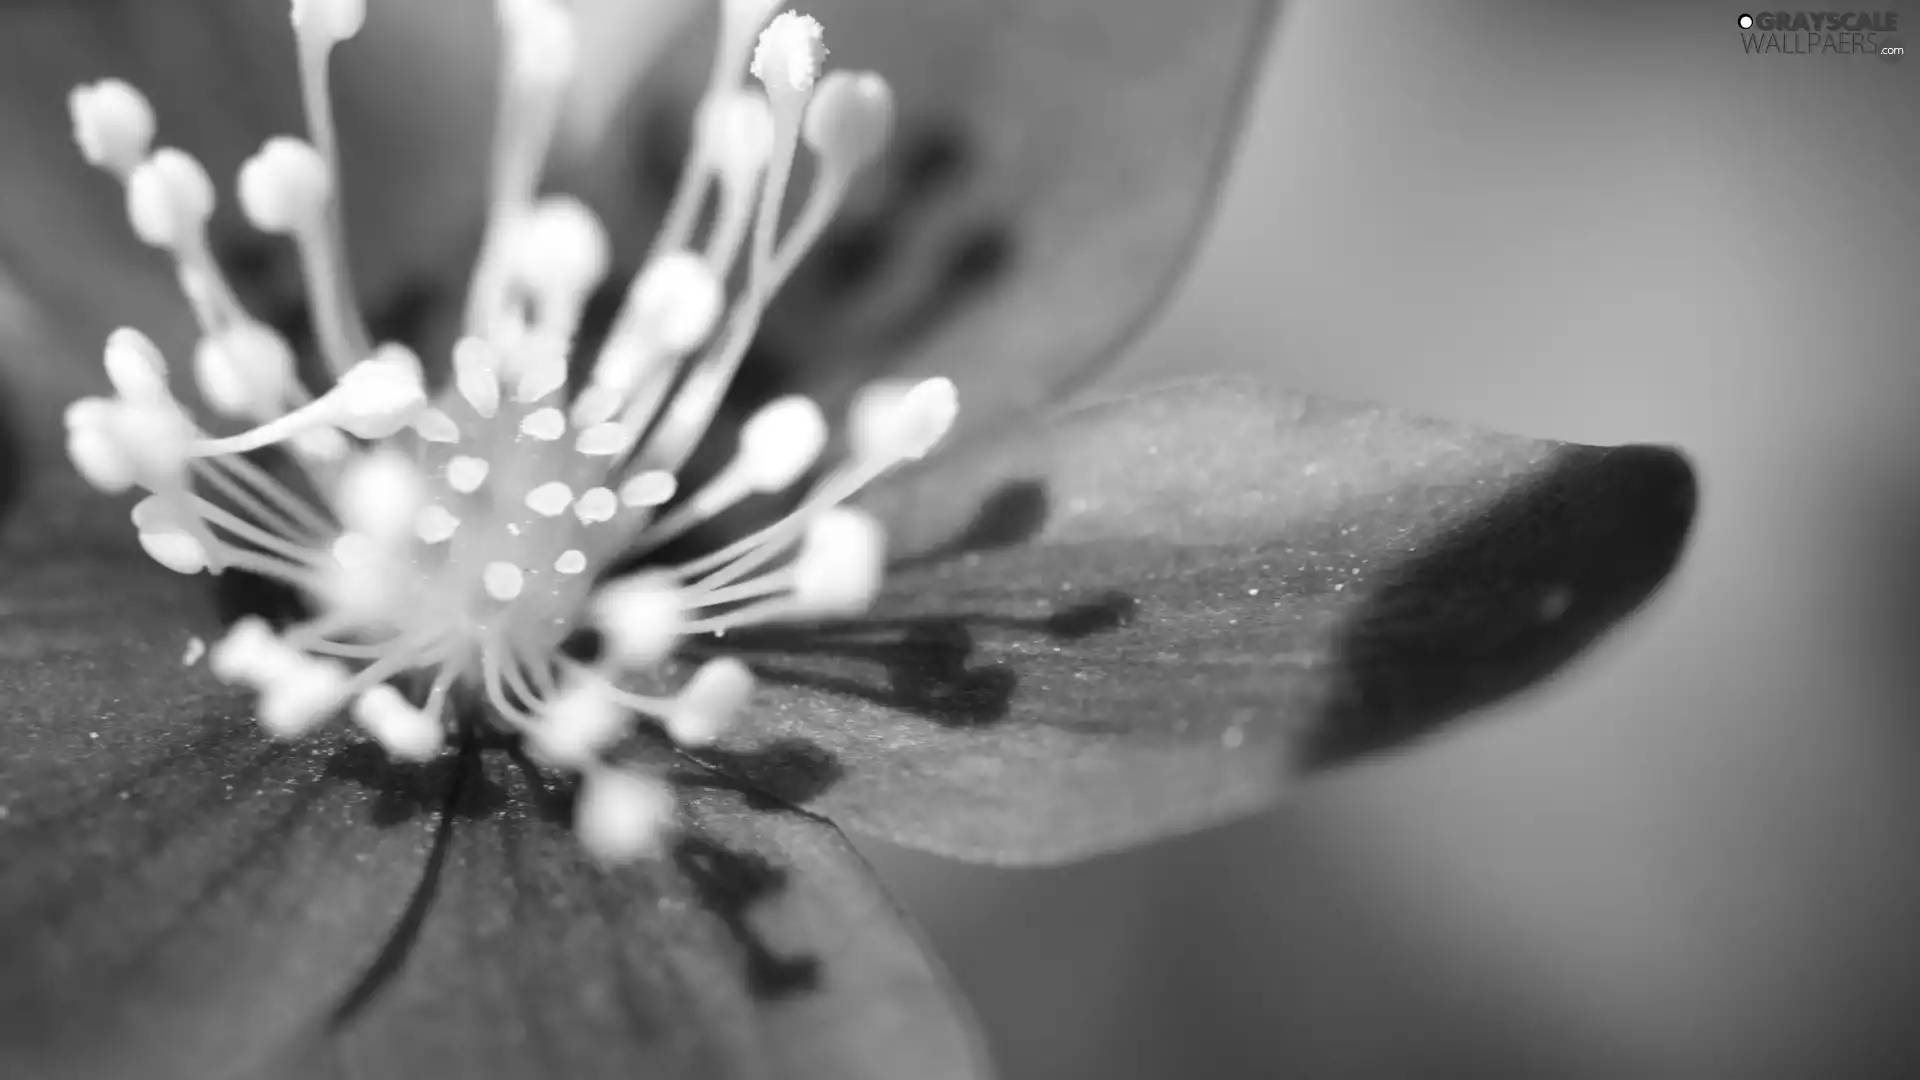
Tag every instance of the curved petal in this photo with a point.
(1160, 611)
(1053, 163)
(413, 95)
(177, 892)
(761, 947)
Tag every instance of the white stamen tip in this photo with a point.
(380, 495)
(474, 366)
(247, 370)
(503, 580)
(561, 249)
(651, 488)
(710, 701)
(135, 366)
(596, 505)
(164, 537)
(780, 442)
(249, 653)
(892, 421)
(95, 450)
(435, 524)
(545, 425)
(790, 54)
(404, 731)
(840, 564)
(169, 198)
(640, 617)
(112, 123)
(379, 395)
(541, 43)
(285, 186)
(550, 499)
(299, 697)
(329, 21)
(622, 815)
(571, 561)
(436, 426)
(737, 129)
(604, 440)
(465, 474)
(678, 300)
(579, 723)
(850, 118)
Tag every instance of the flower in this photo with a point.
(1134, 618)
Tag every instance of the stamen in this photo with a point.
(469, 534)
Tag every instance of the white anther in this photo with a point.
(165, 537)
(250, 653)
(560, 248)
(284, 187)
(296, 699)
(95, 448)
(329, 21)
(112, 123)
(550, 499)
(780, 442)
(640, 618)
(841, 562)
(578, 723)
(710, 701)
(436, 426)
(379, 395)
(246, 370)
(435, 524)
(135, 366)
(156, 438)
(736, 129)
(365, 580)
(540, 41)
(474, 364)
(790, 53)
(571, 561)
(677, 300)
(405, 732)
(596, 505)
(355, 553)
(379, 495)
(321, 444)
(545, 425)
(169, 198)
(850, 118)
(604, 440)
(503, 580)
(622, 815)
(893, 421)
(651, 488)
(465, 473)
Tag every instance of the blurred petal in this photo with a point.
(177, 893)
(413, 95)
(760, 947)
(1053, 163)
(1160, 611)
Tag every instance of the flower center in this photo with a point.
(458, 539)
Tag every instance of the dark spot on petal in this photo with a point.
(1111, 611)
(1464, 622)
(729, 884)
(932, 159)
(795, 770)
(848, 258)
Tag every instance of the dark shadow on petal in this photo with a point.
(796, 767)
(1508, 597)
(1012, 514)
(730, 884)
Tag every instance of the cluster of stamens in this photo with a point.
(456, 541)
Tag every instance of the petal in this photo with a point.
(1160, 611)
(760, 947)
(413, 96)
(1053, 163)
(178, 893)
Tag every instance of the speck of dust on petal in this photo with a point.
(457, 539)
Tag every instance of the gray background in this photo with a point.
(1694, 856)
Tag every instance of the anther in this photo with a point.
(893, 421)
(135, 366)
(596, 505)
(474, 366)
(169, 198)
(545, 425)
(789, 54)
(640, 618)
(780, 442)
(329, 21)
(578, 723)
(285, 186)
(502, 580)
(112, 124)
(550, 499)
(840, 563)
(465, 473)
(622, 815)
(540, 42)
(380, 495)
(404, 731)
(850, 118)
(710, 701)
(302, 696)
(163, 537)
(246, 370)
(435, 524)
(380, 394)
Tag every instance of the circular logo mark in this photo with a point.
(1746, 22)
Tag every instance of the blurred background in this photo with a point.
(1692, 856)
